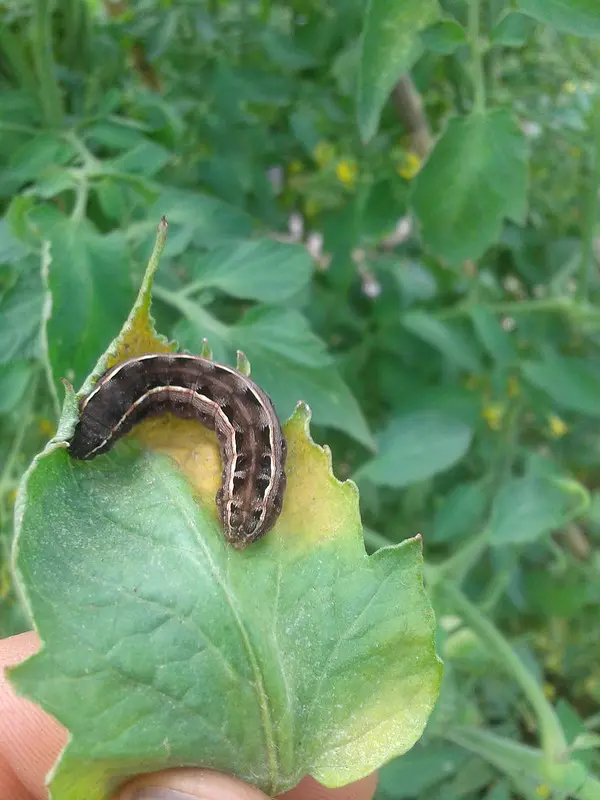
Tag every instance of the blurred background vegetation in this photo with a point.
(425, 278)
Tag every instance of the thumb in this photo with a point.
(188, 784)
(204, 784)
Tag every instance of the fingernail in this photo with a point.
(157, 793)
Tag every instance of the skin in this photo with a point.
(30, 741)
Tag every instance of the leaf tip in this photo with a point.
(242, 364)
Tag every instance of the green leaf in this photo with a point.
(416, 446)
(390, 45)
(460, 513)
(492, 335)
(180, 645)
(258, 269)
(420, 770)
(291, 363)
(147, 158)
(474, 178)
(512, 30)
(528, 508)
(568, 381)
(444, 36)
(581, 17)
(88, 279)
(21, 313)
(448, 340)
(15, 377)
(43, 152)
(197, 219)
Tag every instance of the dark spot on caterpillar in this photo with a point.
(264, 436)
(238, 482)
(257, 514)
(265, 461)
(261, 482)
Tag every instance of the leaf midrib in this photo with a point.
(262, 697)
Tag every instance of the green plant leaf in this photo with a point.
(530, 507)
(448, 340)
(581, 17)
(256, 269)
(292, 364)
(477, 173)
(491, 334)
(21, 313)
(420, 770)
(512, 30)
(182, 647)
(88, 280)
(444, 36)
(460, 513)
(568, 381)
(390, 44)
(416, 446)
(15, 377)
(197, 219)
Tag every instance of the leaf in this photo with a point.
(420, 770)
(88, 280)
(291, 363)
(581, 17)
(181, 646)
(460, 513)
(474, 178)
(444, 36)
(38, 155)
(512, 30)
(199, 219)
(528, 508)
(447, 340)
(15, 377)
(416, 446)
(259, 269)
(148, 158)
(389, 48)
(21, 313)
(492, 335)
(568, 381)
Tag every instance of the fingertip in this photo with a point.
(189, 784)
(310, 789)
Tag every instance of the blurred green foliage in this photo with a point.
(436, 304)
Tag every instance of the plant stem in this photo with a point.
(49, 91)
(476, 56)
(551, 734)
(526, 764)
(590, 208)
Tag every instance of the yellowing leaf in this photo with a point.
(298, 655)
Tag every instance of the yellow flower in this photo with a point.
(569, 87)
(558, 427)
(295, 166)
(409, 166)
(493, 414)
(542, 790)
(512, 386)
(46, 427)
(346, 171)
(323, 153)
